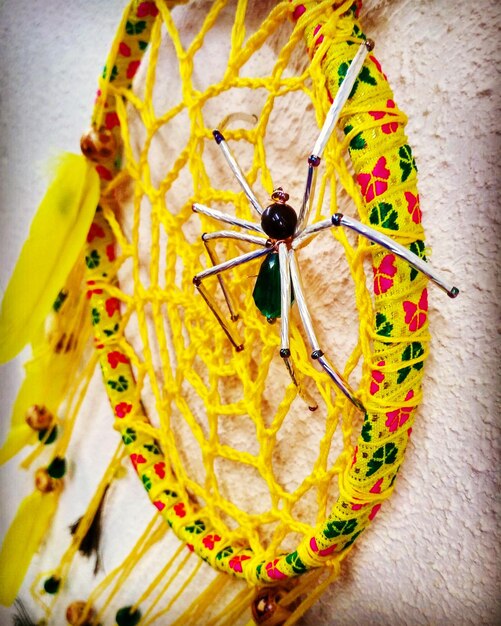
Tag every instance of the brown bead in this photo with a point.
(98, 145)
(279, 195)
(369, 44)
(76, 616)
(266, 608)
(44, 482)
(38, 417)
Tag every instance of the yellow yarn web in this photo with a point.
(199, 391)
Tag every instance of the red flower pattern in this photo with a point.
(179, 509)
(115, 357)
(92, 292)
(397, 418)
(132, 68)
(391, 127)
(273, 571)
(378, 65)
(298, 11)
(110, 252)
(112, 306)
(94, 231)
(137, 459)
(111, 120)
(236, 562)
(375, 183)
(416, 314)
(159, 469)
(376, 487)
(325, 552)
(377, 379)
(210, 540)
(160, 505)
(383, 275)
(147, 8)
(122, 409)
(374, 511)
(413, 206)
(124, 49)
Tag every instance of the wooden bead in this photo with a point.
(98, 145)
(76, 615)
(266, 608)
(38, 417)
(44, 482)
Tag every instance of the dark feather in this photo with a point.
(91, 541)
(21, 617)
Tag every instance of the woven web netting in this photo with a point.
(220, 438)
(239, 439)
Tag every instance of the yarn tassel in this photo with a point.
(57, 235)
(23, 539)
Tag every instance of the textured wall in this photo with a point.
(432, 556)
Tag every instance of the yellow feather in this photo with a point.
(18, 437)
(22, 541)
(53, 366)
(56, 238)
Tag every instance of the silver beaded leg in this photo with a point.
(317, 354)
(386, 242)
(227, 219)
(228, 234)
(212, 304)
(331, 120)
(235, 168)
(338, 219)
(285, 308)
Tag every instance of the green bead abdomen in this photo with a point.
(266, 292)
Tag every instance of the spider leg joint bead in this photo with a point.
(218, 136)
(285, 353)
(336, 219)
(369, 44)
(314, 160)
(316, 354)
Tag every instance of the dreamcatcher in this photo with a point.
(197, 290)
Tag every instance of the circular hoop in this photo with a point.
(386, 174)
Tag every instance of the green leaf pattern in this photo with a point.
(385, 455)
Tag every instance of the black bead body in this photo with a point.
(279, 221)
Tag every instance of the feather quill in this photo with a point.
(57, 235)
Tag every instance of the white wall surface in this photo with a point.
(432, 556)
